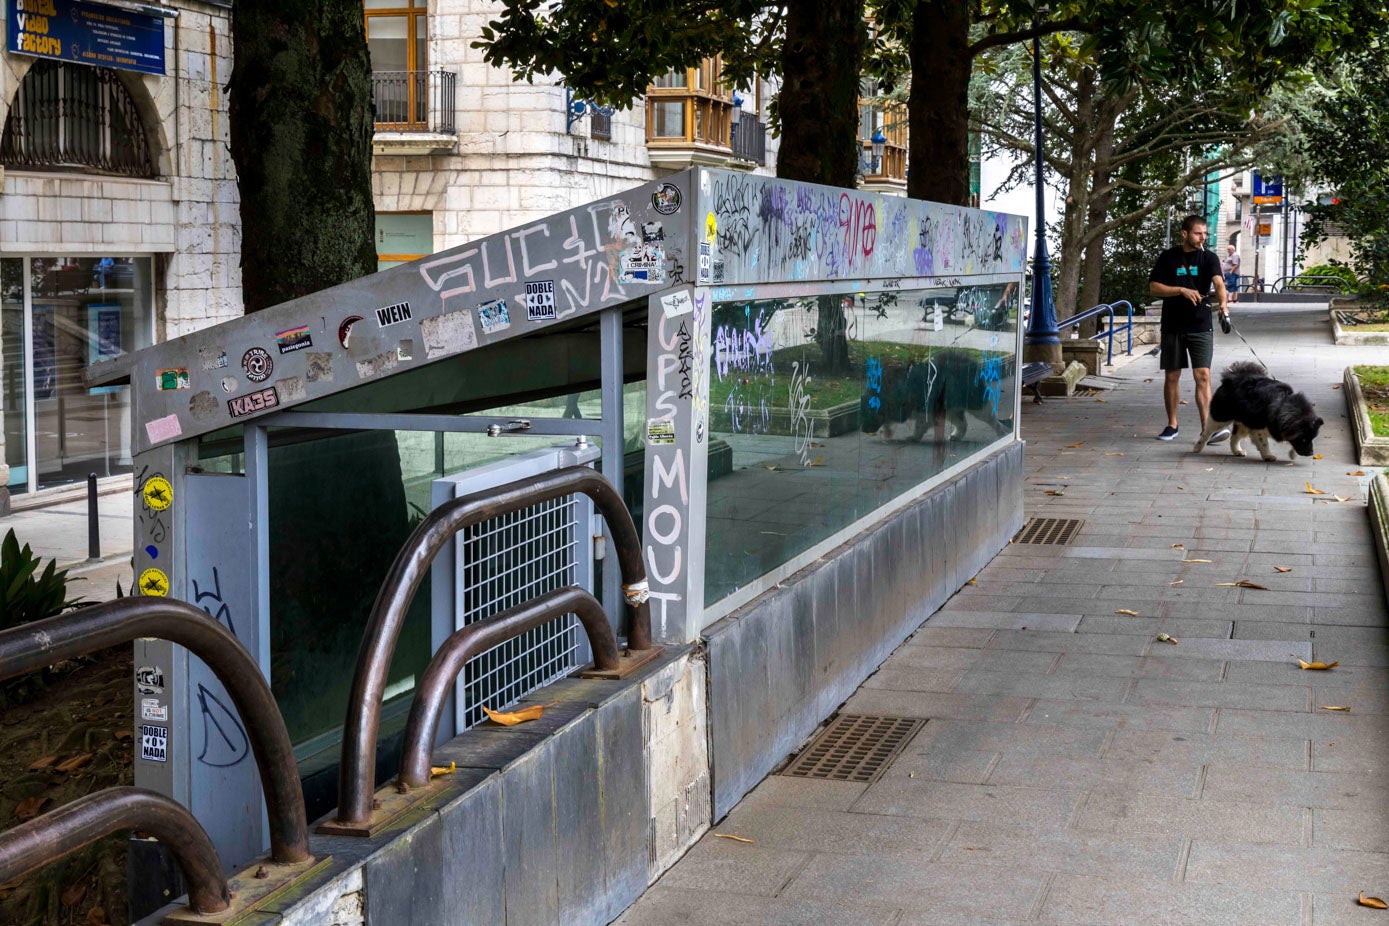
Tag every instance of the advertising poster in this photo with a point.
(87, 33)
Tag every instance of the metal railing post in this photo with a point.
(93, 522)
(64, 830)
(87, 630)
(356, 779)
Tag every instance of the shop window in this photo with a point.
(397, 33)
(58, 315)
(72, 117)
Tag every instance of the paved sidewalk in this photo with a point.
(59, 532)
(1076, 771)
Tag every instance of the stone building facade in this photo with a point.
(119, 220)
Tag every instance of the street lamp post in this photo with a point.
(1042, 341)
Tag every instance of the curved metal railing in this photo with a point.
(474, 639)
(62, 831)
(356, 774)
(1300, 280)
(1103, 309)
(76, 633)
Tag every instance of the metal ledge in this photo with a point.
(251, 889)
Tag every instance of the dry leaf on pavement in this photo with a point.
(1243, 583)
(1317, 665)
(1282, 569)
(511, 719)
(1178, 546)
(31, 807)
(73, 764)
(732, 837)
(1371, 902)
(436, 771)
(1335, 707)
(1178, 582)
(1316, 456)
(1056, 491)
(1076, 444)
(1356, 472)
(1312, 491)
(1164, 638)
(45, 762)
(1127, 611)
(1196, 561)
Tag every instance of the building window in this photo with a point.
(72, 117)
(397, 33)
(402, 237)
(689, 106)
(890, 118)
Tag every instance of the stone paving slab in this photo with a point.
(1074, 770)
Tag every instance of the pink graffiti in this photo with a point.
(859, 222)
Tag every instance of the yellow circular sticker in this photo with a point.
(157, 493)
(711, 227)
(154, 583)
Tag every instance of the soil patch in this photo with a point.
(61, 737)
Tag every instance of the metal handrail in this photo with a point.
(411, 565)
(87, 630)
(477, 638)
(1300, 280)
(1103, 308)
(64, 830)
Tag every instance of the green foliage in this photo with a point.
(1333, 270)
(26, 593)
(1345, 145)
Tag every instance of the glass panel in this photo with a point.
(15, 436)
(673, 79)
(421, 30)
(667, 119)
(387, 41)
(822, 409)
(86, 309)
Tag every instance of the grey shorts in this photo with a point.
(1176, 348)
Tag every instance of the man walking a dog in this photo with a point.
(1183, 276)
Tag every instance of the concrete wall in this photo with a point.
(781, 665)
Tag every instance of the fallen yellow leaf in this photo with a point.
(1318, 665)
(1316, 456)
(1337, 386)
(1282, 569)
(511, 719)
(973, 581)
(1374, 902)
(1178, 546)
(818, 461)
(1076, 444)
(1312, 491)
(1335, 707)
(1357, 472)
(1056, 491)
(1185, 402)
(1183, 488)
(1245, 583)
(436, 771)
(1196, 561)
(1099, 400)
(1178, 582)
(1127, 611)
(732, 837)
(1339, 498)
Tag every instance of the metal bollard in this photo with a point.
(93, 525)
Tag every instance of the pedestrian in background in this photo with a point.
(1229, 267)
(1184, 276)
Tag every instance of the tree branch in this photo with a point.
(996, 39)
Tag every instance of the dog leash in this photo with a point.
(1251, 349)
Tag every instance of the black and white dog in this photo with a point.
(1253, 404)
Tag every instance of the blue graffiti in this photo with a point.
(990, 374)
(873, 375)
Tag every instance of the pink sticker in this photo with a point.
(162, 429)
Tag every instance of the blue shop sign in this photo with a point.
(87, 33)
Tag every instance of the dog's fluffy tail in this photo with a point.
(1245, 368)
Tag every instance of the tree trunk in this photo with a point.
(831, 334)
(1101, 196)
(1077, 198)
(938, 107)
(821, 63)
(301, 126)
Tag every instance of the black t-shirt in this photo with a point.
(1189, 270)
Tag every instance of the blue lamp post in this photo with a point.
(1042, 340)
(879, 143)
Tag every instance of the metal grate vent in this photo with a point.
(1049, 530)
(854, 747)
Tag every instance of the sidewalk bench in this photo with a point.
(1032, 375)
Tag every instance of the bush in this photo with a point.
(26, 594)
(1353, 284)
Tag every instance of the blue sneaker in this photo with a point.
(1168, 433)
(1218, 436)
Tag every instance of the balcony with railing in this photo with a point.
(415, 111)
(887, 123)
(689, 118)
(749, 139)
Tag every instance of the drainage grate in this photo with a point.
(1049, 530)
(854, 748)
